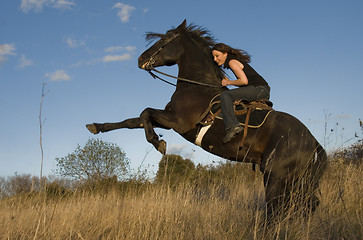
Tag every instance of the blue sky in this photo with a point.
(86, 52)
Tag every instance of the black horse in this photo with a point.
(290, 158)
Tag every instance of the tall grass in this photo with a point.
(230, 208)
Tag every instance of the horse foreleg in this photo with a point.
(131, 123)
(148, 119)
(151, 118)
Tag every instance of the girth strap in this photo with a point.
(246, 127)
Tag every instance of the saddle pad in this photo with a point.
(257, 117)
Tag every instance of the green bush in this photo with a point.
(173, 169)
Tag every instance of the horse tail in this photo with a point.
(322, 157)
(320, 162)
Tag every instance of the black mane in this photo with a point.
(199, 34)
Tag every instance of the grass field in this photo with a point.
(231, 208)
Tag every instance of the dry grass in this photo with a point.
(232, 209)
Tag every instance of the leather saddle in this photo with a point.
(253, 114)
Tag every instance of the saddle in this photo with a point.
(249, 114)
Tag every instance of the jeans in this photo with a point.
(249, 93)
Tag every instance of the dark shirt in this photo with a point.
(253, 77)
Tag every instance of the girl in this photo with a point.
(251, 86)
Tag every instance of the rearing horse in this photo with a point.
(291, 159)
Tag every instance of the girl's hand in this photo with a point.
(225, 82)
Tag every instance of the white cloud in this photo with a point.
(113, 55)
(130, 48)
(124, 11)
(74, 43)
(37, 5)
(6, 50)
(63, 4)
(59, 75)
(182, 150)
(120, 48)
(116, 58)
(176, 149)
(114, 49)
(24, 62)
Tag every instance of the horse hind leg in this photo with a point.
(314, 175)
(277, 197)
(286, 198)
(308, 184)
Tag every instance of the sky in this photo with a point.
(85, 54)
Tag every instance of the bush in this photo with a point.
(352, 154)
(173, 169)
(96, 161)
(19, 184)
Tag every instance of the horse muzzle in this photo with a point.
(148, 65)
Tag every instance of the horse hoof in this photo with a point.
(92, 128)
(162, 147)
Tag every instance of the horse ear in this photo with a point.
(182, 25)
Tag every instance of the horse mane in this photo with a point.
(200, 35)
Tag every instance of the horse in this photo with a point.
(291, 160)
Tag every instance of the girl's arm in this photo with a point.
(237, 68)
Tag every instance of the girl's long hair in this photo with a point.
(233, 52)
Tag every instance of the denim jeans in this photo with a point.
(249, 93)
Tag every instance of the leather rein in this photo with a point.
(178, 78)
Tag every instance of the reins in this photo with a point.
(178, 78)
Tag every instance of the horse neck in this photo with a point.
(194, 65)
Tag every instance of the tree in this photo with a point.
(96, 161)
(174, 169)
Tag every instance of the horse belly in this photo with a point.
(210, 139)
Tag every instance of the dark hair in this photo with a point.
(239, 54)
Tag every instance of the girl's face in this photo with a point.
(219, 57)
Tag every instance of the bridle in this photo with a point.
(148, 66)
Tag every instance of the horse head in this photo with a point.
(190, 48)
(165, 51)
